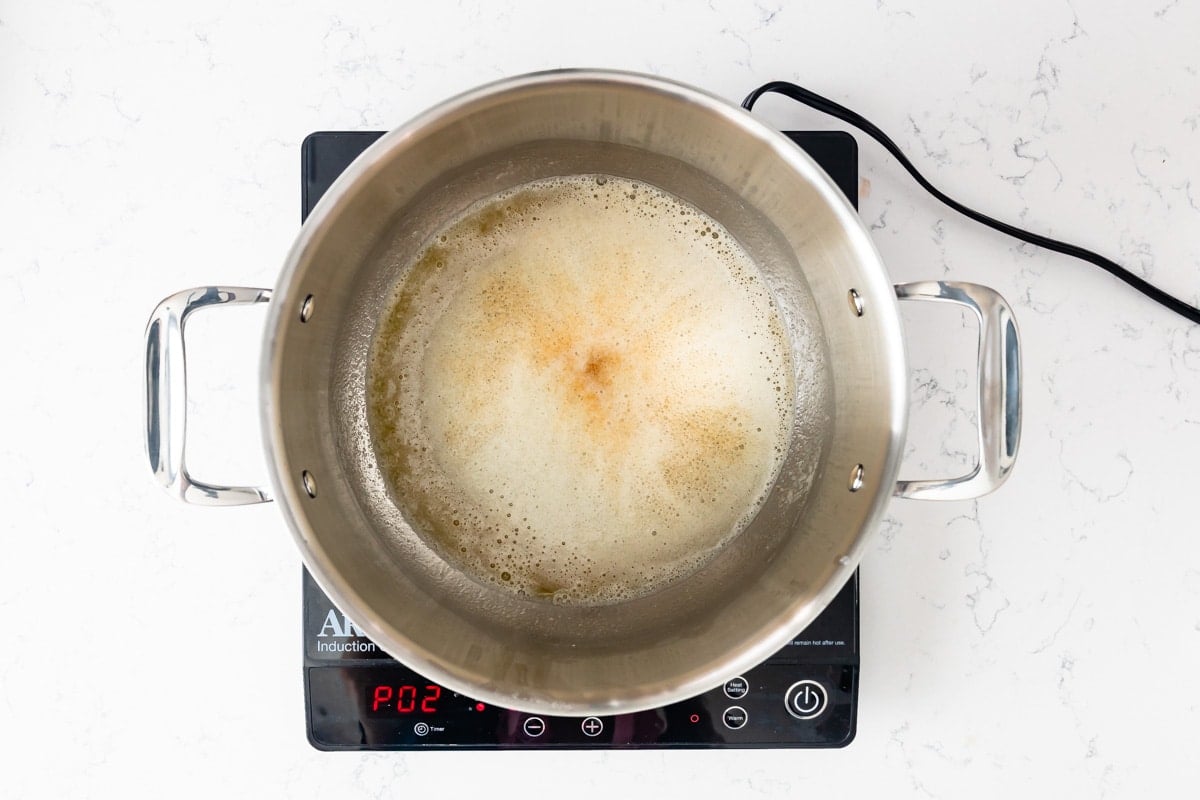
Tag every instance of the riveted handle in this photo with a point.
(999, 390)
(166, 395)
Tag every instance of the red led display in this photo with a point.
(383, 699)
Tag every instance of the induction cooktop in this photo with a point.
(357, 697)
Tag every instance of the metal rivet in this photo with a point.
(310, 483)
(306, 308)
(856, 302)
(856, 478)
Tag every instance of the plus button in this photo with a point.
(592, 726)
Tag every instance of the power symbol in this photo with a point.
(806, 699)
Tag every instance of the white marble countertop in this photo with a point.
(1043, 640)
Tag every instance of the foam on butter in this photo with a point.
(582, 389)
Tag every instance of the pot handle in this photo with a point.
(999, 408)
(166, 395)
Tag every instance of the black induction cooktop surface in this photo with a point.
(359, 698)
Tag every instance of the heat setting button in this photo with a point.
(736, 688)
(806, 699)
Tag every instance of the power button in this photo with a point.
(806, 699)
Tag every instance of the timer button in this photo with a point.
(534, 726)
(736, 688)
(420, 729)
(735, 717)
(806, 699)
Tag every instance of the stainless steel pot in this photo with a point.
(764, 587)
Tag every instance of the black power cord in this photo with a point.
(802, 95)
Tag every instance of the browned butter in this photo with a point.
(582, 389)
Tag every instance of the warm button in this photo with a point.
(806, 699)
(734, 717)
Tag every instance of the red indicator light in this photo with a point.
(480, 706)
(694, 718)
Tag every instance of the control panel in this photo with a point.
(359, 698)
